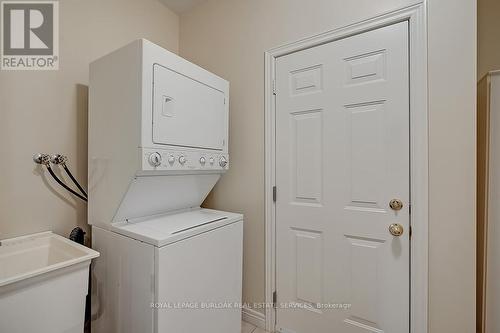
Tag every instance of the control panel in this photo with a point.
(179, 160)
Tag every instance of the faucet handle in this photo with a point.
(41, 158)
(58, 159)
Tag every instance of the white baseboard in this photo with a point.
(253, 317)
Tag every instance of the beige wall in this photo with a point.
(47, 111)
(488, 31)
(229, 37)
(452, 149)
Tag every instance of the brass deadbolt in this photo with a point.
(396, 204)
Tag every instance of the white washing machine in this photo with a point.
(158, 138)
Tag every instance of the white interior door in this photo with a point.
(342, 154)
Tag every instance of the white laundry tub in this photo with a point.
(43, 284)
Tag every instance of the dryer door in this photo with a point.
(186, 112)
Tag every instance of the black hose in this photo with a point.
(74, 180)
(64, 185)
(77, 235)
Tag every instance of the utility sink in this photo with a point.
(43, 284)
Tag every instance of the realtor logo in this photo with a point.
(30, 35)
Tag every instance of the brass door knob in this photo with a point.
(396, 229)
(396, 204)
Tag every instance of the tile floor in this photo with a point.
(249, 328)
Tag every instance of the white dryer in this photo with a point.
(158, 138)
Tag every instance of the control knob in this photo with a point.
(202, 160)
(182, 159)
(223, 162)
(155, 159)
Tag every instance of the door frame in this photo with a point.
(419, 173)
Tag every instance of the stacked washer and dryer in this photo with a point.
(158, 143)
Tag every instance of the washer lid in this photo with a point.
(161, 230)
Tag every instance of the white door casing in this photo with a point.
(342, 153)
(419, 153)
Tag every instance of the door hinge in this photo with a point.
(274, 298)
(274, 87)
(411, 231)
(409, 208)
(274, 193)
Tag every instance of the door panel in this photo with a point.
(306, 160)
(342, 153)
